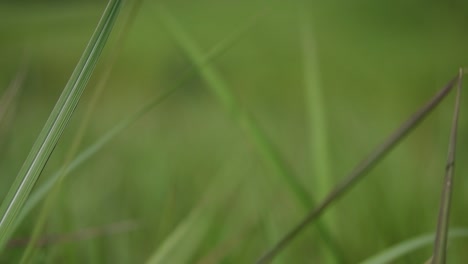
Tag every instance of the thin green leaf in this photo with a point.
(193, 227)
(7, 101)
(440, 245)
(264, 145)
(318, 140)
(41, 191)
(183, 241)
(76, 142)
(57, 121)
(12, 91)
(228, 100)
(401, 249)
(359, 171)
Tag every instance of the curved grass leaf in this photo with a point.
(403, 248)
(114, 52)
(56, 123)
(41, 191)
(259, 138)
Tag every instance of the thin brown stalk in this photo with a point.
(359, 171)
(83, 234)
(440, 245)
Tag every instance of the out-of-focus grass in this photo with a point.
(395, 252)
(378, 62)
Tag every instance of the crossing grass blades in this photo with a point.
(15, 206)
(440, 244)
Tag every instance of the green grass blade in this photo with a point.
(193, 226)
(440, 245)
(9, 98)
(264, 145)
(12, 91)
(183, 241)
(236, 35)
(41, 191)
(359, 171)
(229, 101)
(57, 121)
(315, 104)
(395, 252)
(318, 142)
(115, 50)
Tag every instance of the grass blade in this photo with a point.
(7, 101)
(228, 100)
(57, 121)
(181, 243)
(41, 191)
(440, 245)
(194, 226)
(315, 104)
(12, 91)
(29, 253)
(318, 141)
(359, 171)
(391, 254)
(264, 145)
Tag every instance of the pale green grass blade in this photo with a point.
(315, 102)
(273, 232)
(179, 246)
(406, 247)
(58, 119)
(41, 191)
(195, 221)
(440, 245)
(265, 147)
(236, 35)
(359, 171)
(8, 100)
(76, 142)
(11, 92)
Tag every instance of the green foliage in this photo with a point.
(312, 87)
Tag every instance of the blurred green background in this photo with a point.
(378, 61)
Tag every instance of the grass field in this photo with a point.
(263, 107)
